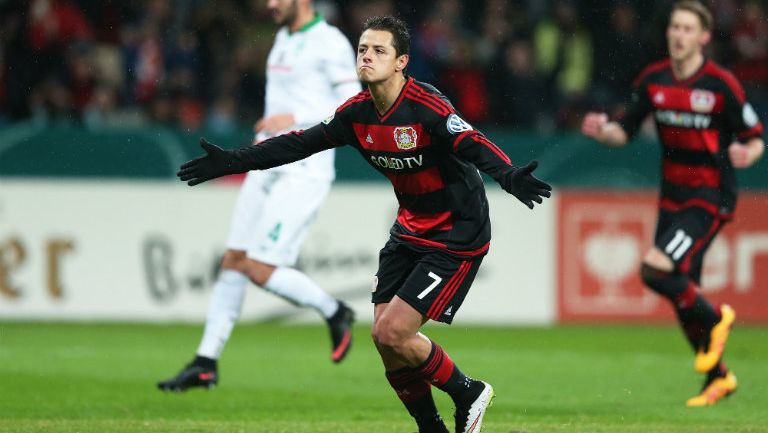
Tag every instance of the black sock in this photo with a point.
(696, 315)
(697, 318)
(720, 370)
(416, 395)
(204, 362)
(440, 370)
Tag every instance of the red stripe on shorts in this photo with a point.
(446, 295)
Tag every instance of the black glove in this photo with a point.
(526, 187)
(216, 163)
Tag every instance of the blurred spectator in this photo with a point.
(188, 63)
(55, 24)
(564, 48)
(496, 28)
(222, 119)
(564, 51)
(361, 10)
(750, 39)
(147, 63)
(435, 40)
(519, 97)
(619, 56)
(102, 109)
(463, 81)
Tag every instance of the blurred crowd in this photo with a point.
(529, 64)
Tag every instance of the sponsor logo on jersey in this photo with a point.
(449, 311)
(749, 116)
(397, 163)
(405, 137)
(659, 98)
(457, 125)
(375, 284)
(368, 139)
(702, 101)
(328, 119)
(683, 119)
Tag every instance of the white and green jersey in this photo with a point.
(310, 73)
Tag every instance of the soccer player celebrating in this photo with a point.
(310, 71)
(411, 134)
(699, 109)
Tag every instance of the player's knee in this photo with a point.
(668, 284)
(657, 268)
(258, 272)
(656, 259)
(235, 260)
(386, 336)
(652, 276)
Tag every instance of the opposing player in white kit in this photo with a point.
(310, 71)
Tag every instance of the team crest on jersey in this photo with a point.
(405, 137)
(702, 101)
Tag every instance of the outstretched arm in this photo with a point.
(474, 147)
(276, 151)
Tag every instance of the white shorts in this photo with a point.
(273, 213)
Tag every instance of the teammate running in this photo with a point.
(411, 134)
(699, 109)
(310, 71)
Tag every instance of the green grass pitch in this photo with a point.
(276, 378)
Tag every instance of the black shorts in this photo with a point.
(685, 235)
(434, 283)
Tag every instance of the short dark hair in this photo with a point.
(701, 11)
(401, 37)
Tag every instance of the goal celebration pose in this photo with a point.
(411, 134)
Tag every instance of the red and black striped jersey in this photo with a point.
(696, 119)
(426, 150)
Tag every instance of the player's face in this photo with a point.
(377, 59)
(685, 35)
(284, 12)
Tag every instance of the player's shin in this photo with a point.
(223, 312)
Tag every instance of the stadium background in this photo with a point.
(106, 260)
(101, 101)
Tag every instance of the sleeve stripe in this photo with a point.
(755, 132)
(495, 149)
(461, 137)
(427, 103)
(439, 101)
